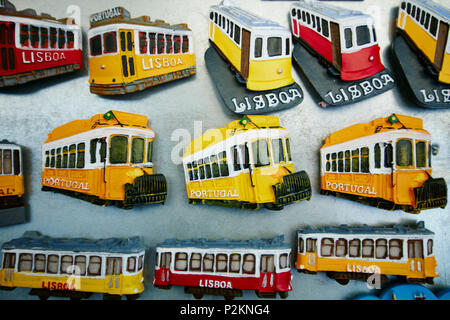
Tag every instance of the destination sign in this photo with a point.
(105, 15)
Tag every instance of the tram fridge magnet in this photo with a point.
(337, 53)
(36, 46)
(12, 208)
(107, 160)
(132, 54)
(225, 267)
(385, 163)
(246, 165)
(249, 61)
(73, 267)
(421, 48)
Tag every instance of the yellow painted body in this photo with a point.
(130, 284)
(263, 74)
(314, 263)
(11, 185)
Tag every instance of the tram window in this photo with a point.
(284, 261)
(362, 35)
(7, 162)
(274, 46)
(4, 59)
(93, 150)
(422, 19)
(341, 161)
(348, 35)
(24, 35)
(237, 34)
(313, 18)
(231, 29)
(341, 248)
(421, 154)
(143, 45)
(201, 169)
(347, 161)
(258, 47)
(288, 149)
(113, 266)
(355, 160)
(95, 45)
(293, 12)
(211, 15)
(365, 160)
(260, 152)
(415, 249)
(215, 17)
(325, 29)
(189, 169)
(81, 147)
(374, 34)
(267, 263)
(299, 14)
(403, 5)
(207, 165)
(354, 248)
(221, 263)
(131, 264)
(301, 245)
(65, 157)
(66, 265)
(403, 153)
(367, 248)
(94, 268)
(53, 39)
(196, 262)
(34, 36)
(215, 166)
(408, 8)
(333, 162)
(277, 150)
(70, 40)
(52, 263)
(429, 155)
(328, 166)
(181, 261)
(140, 262)
(236, 159)
(224, 172)
(304, 16)
(176, 44)
(52, 158)
(430, 247)
(185, 45)
(72, 155)
(44, 37)
(308, 18)
(413, 11)
(9, 261)
(195, 170)
(58, 158)
(39, 263)
(166, 258)
(137, 150)
(169, 44)
(80, 265)
(433, 26)
(327, 247)
(417, 17)
(61, 38)
(219, 22)
(248, 265)
(395, 249)
(25, 262)
(311, 245)
(381, 248)
(160, 43)
(118, 151)
(246, 155)
(110, 42)
(2, 34)
(16, 160)
(223, 22)
(235, 263)
(129, 41)
(388, 156)
(377, 155)
(318, 24)
(47, 159)
(152, 42)
(427, 21)
(208, 262)
(288, 46)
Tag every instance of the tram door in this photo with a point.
(7, 47)
(113, 275)
(311, 253)
(164, 267)
(267, 274)
(9, 263)
(415, 257)
(127, 55)
(440, 46)
(336, 43)
(245, 53)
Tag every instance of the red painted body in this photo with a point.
(280, 281)
(317, 42)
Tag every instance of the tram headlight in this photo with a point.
(371, 58)
(280, 71)
(102, 66)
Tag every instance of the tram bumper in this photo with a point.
(146, 189)
(293, 187)
(432, 194)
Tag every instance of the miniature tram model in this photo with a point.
(73, 268)
(258, 50)
(425, 24)
(128, 55)
(36, 46)
(11, 184)
(355, 253)
(225, 267)
(106, 160)
(385, 163)
(244, 165)
(343, 39)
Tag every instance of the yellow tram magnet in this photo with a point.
(131, 54)
(246, 164)
(107, 160)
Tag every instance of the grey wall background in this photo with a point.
(29, 112)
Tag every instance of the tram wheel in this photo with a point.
(283, 294)
(343, 282)
(198, 295)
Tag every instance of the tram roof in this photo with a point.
(436, 7)
(34, 240)
(332, 11)
(273, 243)
(376, 126)
(250, 19)
(419, 229)
(10, 9)
(111, 118)
(5, 142)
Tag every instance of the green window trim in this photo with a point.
(118, 149)
(404, 153)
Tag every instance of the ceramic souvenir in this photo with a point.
(73, 267)
(249, 61)
(12, 209)
(36, 46)
(225, 267)
(421, 49)
(106, 160)
(246, 164)
(385, 163)
(359, 253)
(131, 54)
(337, 53)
